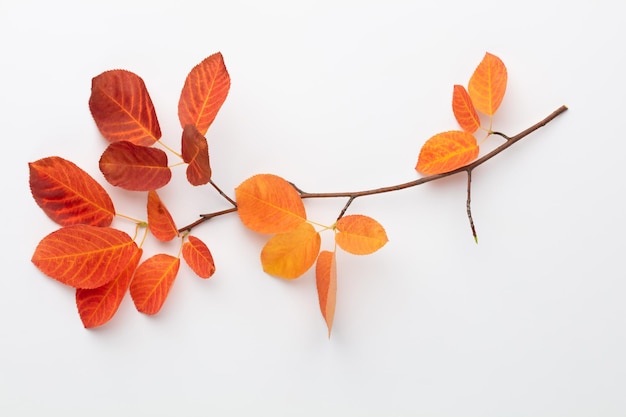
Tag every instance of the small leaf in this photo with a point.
(122, 108)
(84, 256)
(289, 255)
(96, 306)
(198, 257)
(360, 235)
(195, 150)
(326, 280)
(160, 220)
(488, 84)
(135, 168)
(204, 92)
(464, 110)
(153, 281)
(269, 204)
(446, 152)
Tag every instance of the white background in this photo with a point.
(335, 96)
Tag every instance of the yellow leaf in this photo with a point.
(360, 235)
(289, 255)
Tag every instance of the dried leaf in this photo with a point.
(160, 220)
(135, 168)
(153, 281)
(464, 110)
(446, 152)
(488, 84)
(289, 255)
(195, 150)
(326, 279)
(198, 256)
(360, 235)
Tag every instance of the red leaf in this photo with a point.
(326, 279)
(160, 220)
(464, 110)
(153, 281)
(122, 108)
(488, 84)
(68, 195)
(97, 306)
(135, 168)
(446, 152)
(84, 256)
(198, 257)
(195, 150)
(204, 92)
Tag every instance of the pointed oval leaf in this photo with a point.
(152, 282)
(68, 195)
(84, 256)
(360, 235)
(122, 108)
(289, 255)
(464, 110)
(135, 168)
(160, 221)
(195, 150)
(446, 152)
(488, 84)
(204, 92)
(96, 306)
(269, 204)
(326, 280)
(198, 256)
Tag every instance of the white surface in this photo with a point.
(335, 96)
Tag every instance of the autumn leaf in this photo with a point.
(360, 235)
(160, 221)
(269, 204)
(289, 255)
(84, 256)
(135, 168)
(96, 306)
(326, 280)
(488, 84)
(152, 282)
(68, 195)
(464, 110)
(198, 257)
(122, 108)
(446, 152)
(204, 92)
(195, 150)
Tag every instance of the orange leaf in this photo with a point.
(360, 235)
(84, 256)
(269, 204)
(446, 152)
(135, 168)
(488, 84)
(195, 152)
(152, 282)
(204, 92)
(326, 279)
(198, 257)
(289, 255)
(122, 108)
(160, 220)
(464, 110)
(68, 195)
(96, 306)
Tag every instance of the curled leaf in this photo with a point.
(446, 152)
(326, 280)
(488, 84)
(464, 110)
(135, 168)
(160, 220)
(152, 282)
(289, 255)
(195, 150)
(360, 235)
(198, 256)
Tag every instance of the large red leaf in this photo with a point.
(289, 255)
(446, 152)
(68, 195)
(204, 92)
(96, 306)
(198, 256)
(326, 280)
(84, 256)
(488, 84)
(153, 281)
(135, 168)
(160, 220)
(464, 110)
(195, 150)
(122, 108)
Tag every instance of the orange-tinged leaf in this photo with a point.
(446, 152)
(488, 84)
(135, 168)
(195, 150)
(152, 282)
(289, 255)
(96, 306)
(68, 195)
(326, 279)
(360, 235)
(204, 92)
(160, 220)
(464, 110)
(84, 256)
(122, 108)
(269, 204)
(198, 256)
